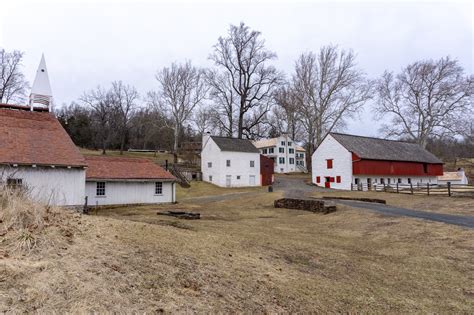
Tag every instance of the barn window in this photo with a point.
(425, 168)
(409, 180)
(331, 179)
(338, 179)
(399, 180)
(281, 150)
(228, 163)
(158, 188)
(329, 163)
(14, 183)
(252, 163)
(209, 164)
(100, 188)
(292, 161)
(388, 181)
(356, 181)
(382, 181)
(318, 179)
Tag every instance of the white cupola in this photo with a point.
(41, 96)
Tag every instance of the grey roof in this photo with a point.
(381, 149)
(235, 145)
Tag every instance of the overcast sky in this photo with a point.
(87, 43)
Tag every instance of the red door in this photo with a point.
(327, 182)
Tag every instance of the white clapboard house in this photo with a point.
(230, 162)
(287, 156)
(342, 160)
(120, 180)
(36, 153)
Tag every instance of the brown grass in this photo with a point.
(159, 158)
(246, 256)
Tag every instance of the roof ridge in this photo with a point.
(375, 138)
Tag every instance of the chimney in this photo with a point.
(205, 138)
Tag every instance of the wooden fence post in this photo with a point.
(411, 188)
(449, 189)
(428, 188)
(397, 188)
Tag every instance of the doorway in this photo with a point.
(327, 182)
(228, 181)
(252, 180)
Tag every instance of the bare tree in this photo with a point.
(244, 85)
(124, 98)
(203, 119)
(101, 103)
(428, 99)
(328, 89)
(286, 116)
(180, 89)
(12, 81)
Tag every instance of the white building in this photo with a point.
(287, 156)
(36, 153)
(120, 181)
(229, 162)
(455, 178)
(343, 161)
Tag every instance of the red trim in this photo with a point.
(377, 167)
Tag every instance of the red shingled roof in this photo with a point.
(106, 167)
(35, 138)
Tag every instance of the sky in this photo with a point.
(89, 43)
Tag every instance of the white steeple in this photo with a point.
(41, 95)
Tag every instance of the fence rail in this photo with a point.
(419, 189)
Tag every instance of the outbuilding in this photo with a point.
(454, 178)
(121, 181)
(342, 161)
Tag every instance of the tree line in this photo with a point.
(244, 95)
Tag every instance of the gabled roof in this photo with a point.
(28, 138)
(120, 168)
(381, 149)
(265, 143)
(234, 145)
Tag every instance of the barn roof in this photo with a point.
(28, 138)
(235, 145)
(121, 168)
(382, 149)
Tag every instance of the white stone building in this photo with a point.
(288, 157)
(119, 181)
(343, 161)
(230, 162)
(455, 178)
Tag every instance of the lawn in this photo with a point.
(158, 158)
(245, 256)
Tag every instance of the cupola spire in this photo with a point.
(41, 95)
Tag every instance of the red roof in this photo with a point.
(35, 138)
(107, 167)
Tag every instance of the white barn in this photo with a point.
(230, 162)
(287, 156)
(36, 153)
(121, 181)
(343, 161)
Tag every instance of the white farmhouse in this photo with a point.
(121, 181)
(286, 155)
(455, 178)
(36, 153)
(343, 161)
(230, 162)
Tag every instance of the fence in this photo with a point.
(419, 189)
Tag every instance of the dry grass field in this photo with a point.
(158, 158)
(242, 256)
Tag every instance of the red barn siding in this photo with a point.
(266, 170)
(376, 167)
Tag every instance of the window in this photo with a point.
(283, 143)
(382, 181)
(291, 151)
(409, 180)
(210, 178)
(425, 168)
(289, 144)
(209, 164)
(281, 160)
(264, 151)
(318, 179)
(238, 176)
(14, 183)
(292, 161)
(338, 179)
(158, 188)
(329, 163)
(100, 191)
(281, 150)
(399, 180)
(388, 181)
(271, 150)
(252, 163)
(356, 181)
(228, 163)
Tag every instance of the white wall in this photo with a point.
(342, 163)
(415, 180)
(284, 167)
(56, 186)
(117, 193)
(240, 166)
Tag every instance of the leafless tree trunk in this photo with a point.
(101, 102)
(12, 81)
(203, 119)
(124, 99)
(428, 99)
(243, 87)
(286, 115)
(181, 88)
(328, 88)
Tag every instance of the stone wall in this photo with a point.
(305, 204)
